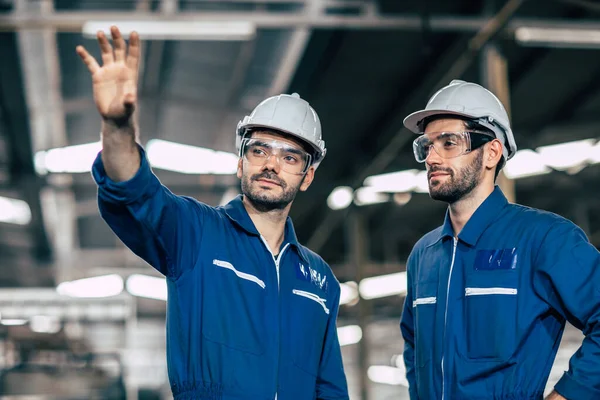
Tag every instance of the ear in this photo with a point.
(239, 168)
(493, 154)
(308, 178)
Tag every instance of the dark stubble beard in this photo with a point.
(457, 186)
(264, 200)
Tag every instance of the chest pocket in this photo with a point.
(307, 319)
(234, 307)
(491, 294)
(425, 305)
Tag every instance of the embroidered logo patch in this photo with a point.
(306, 273)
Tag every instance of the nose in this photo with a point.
(433, 158)
(272, 164)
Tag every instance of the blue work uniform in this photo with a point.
(241, 323)
(485, 311)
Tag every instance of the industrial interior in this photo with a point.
(82, 317)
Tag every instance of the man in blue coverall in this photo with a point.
(251, 313)
(490, 291)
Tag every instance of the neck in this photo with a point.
(270, 224)
(462, 210)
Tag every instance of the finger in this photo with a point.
(119, 44)
(105, 49)
(90, 61)
(133, 56)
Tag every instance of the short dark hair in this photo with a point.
(471, 125)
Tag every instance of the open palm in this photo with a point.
(115, 83)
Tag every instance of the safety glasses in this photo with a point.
(449, 144)
(292, 160)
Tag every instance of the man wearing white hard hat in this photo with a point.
(490, 291)
(251, 313)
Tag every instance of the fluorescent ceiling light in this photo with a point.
(98, 286)
(383, 286)
(387, 375)
(340, 198)
(161, 154)
(398, 361)
(411, 180)
(421, 182)
(553, 37)
(393, 182)
(147, 286)
(190, 159)
(401, 198)
(565, 156)
(349, 293)
(367, 195)
(595, 154)
(350, 334)
(176, 30)
(69, 159)
(525, 163)
(13, 322)
(14, 211)
(44, 324)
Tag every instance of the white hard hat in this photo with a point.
(472, 101)
(287, 114)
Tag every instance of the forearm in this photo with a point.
(120, 154)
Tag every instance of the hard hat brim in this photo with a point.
(411, 122)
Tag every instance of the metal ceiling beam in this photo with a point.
(234, 90)
(494, 73)
(358, 242)
(151, 98)
(238, 77)
(73, 21)
(16, 123)
(290, 60)
(41, 73)
(450, 66)
(294, 51)
(41, 77)
(150, 89)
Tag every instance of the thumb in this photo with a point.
(130, 93)
(129, 99)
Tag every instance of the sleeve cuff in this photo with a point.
(127, 191)
(571, 389)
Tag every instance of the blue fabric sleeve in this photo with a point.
(162, 228)
(568, 278)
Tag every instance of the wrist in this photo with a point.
(122, 123)
(118, 128)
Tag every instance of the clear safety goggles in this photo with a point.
(449, 144)
(292, 160)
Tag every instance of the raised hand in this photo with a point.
(115, 83)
